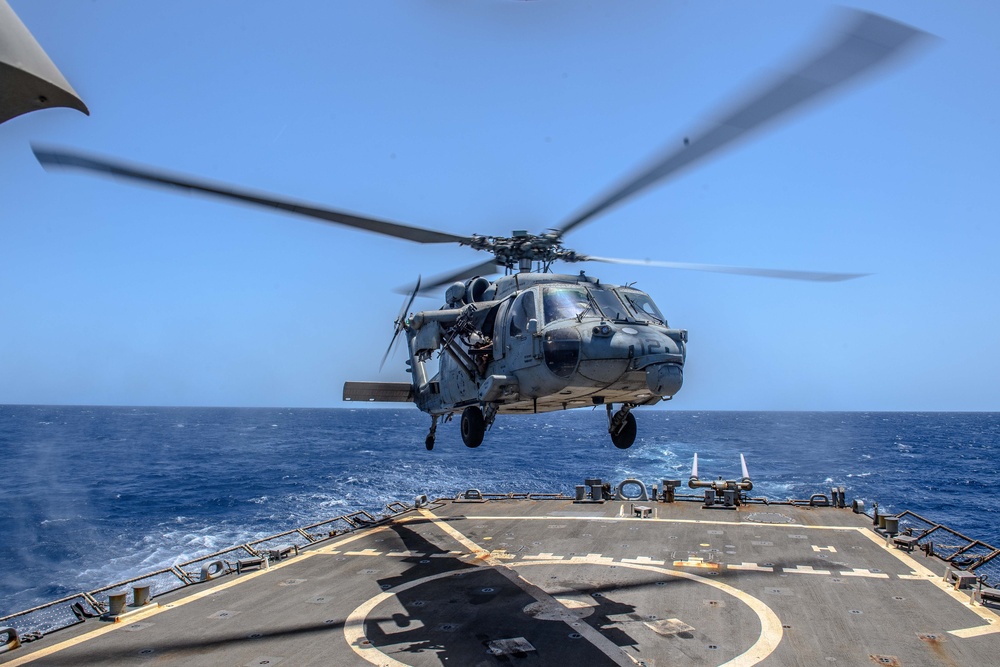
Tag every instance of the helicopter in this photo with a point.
(533, 340)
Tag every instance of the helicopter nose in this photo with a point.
(609, 352)
(664, 379)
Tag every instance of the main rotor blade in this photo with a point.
(867, 41)
(487, 268)
(817, 276)
(71, 160)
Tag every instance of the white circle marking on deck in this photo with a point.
(770, 626)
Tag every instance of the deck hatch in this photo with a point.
(510, 646)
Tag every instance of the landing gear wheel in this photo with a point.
(624, 438)
(474, 426)
(429, 440)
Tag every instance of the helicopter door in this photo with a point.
(500, 334)
(522, 324)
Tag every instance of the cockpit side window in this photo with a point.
(565, 302)
(521, 311)
(644, 307)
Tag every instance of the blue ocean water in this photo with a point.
(93, 495)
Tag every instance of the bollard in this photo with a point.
(581, 492)
(12, 641)
(117, 603)
(212, 570)
(642, 495)
(140, 596)
(881, 521)
(597, 492)
(891, 524)
(668, 487)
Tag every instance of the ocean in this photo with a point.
(94, 495)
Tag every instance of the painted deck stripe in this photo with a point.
(160, 608)
(602, 643)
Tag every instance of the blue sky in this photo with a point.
(484, 117)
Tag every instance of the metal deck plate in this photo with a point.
(538, 583)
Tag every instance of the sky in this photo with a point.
(485, 117)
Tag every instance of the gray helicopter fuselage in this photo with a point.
(533, 342)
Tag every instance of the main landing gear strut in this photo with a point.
(429, 440)
(474, 423)
(621, 426)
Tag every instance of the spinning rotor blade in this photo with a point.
(867, 41)
(400, 319)
(71, 160)
(487, 268)
(816, 276)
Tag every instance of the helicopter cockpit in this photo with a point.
(563, 302)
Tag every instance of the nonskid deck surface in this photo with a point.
(555, 582)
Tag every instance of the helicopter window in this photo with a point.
(563, 303)
(610, 304)
(522, 311)
(562, 350)
(644, 307)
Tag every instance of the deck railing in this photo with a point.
(73, 609)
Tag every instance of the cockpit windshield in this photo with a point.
(562, 302)
(644, 307)
(610, 304)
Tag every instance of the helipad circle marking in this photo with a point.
(770, 626)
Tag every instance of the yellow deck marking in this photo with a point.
(596, 559)
(751, 567)
(109, 627)
(977, 631)
(354, 626)
(363, 552)
(700, 522)
(804, 569)
(602, 643)
(160, 608)
(770, 626)
(644, 560)
(922, 572)
(862, 572)
(696, 562)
